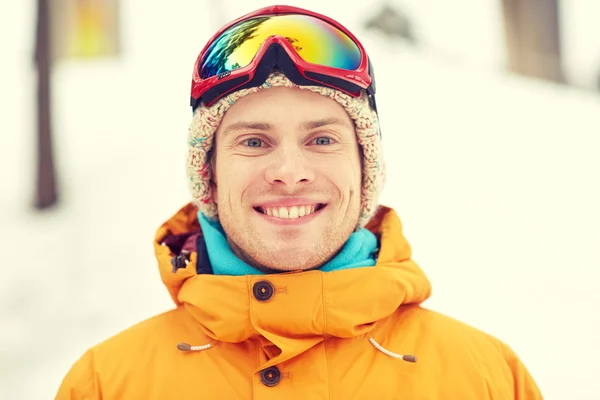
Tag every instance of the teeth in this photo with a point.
(292, 212)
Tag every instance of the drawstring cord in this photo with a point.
(187, 347)
(408, 357)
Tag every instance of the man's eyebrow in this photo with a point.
(306, 126)
(244, 125)
(264, 126)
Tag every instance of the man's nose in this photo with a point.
(290, 167)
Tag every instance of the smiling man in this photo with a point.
(290, 281)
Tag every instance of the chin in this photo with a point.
(289, 261)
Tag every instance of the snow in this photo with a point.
(494, 177)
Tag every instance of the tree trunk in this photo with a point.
(533, 38)
(45, 195)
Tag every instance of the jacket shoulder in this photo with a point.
(432, 326)
(126, 354)
(165, 329)
(471, 354)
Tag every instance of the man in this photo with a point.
(290, 281)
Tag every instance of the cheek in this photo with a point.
(345, 172)
(234, 178)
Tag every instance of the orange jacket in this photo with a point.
(308, 335)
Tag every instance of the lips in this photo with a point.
(290, 212)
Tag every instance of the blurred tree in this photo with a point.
(45, 195)
(393, 22)
(532, 33)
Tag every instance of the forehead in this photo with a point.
(285, 106)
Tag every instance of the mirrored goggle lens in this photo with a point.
(315, 40)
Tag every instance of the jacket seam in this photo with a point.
(324, 336)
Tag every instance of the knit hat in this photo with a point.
(207, 119)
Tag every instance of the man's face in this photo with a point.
(288, 178)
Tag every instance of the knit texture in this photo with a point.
(207, 119)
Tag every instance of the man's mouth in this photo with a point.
(291, 212)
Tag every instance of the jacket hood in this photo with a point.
(306, 306)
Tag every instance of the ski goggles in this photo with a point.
(309, 48)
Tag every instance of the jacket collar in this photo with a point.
(305, 307)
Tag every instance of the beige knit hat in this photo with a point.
(207, 119)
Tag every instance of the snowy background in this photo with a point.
(495, 177)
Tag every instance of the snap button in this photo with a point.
(270, 377)
(181, 260)
(263, 290)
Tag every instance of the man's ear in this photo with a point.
(214, 192)
(212, 164)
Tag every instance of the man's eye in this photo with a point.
(323, 140)
(253, 142)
